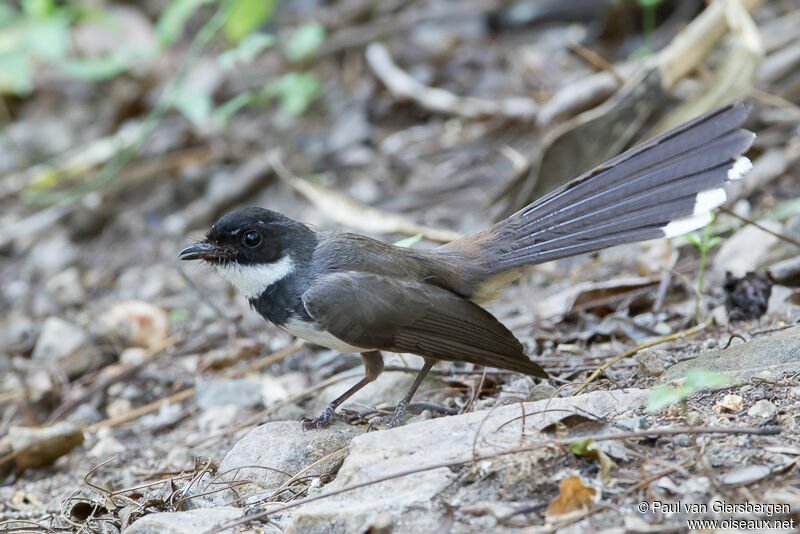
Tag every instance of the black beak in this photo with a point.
(202, 251)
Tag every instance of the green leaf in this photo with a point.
(47, 38)
(226, 111)
(94, 69)
(663, 396)
(16, 74)
(172, 21)
(408, 241)
(247, 49)
(305, 41)
(696, 379)
(245, 16)
(295, 90)
(38, 8)
(694, 239)
(195, 105)
(589, 447)
(703, 378)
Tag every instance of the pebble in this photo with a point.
(652, 362)
(67, 345)
(763, 408)
(241, 392)
(745, 475)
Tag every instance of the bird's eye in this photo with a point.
(252, 239)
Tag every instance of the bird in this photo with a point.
(353, 293)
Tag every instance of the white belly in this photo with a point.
(309, 332)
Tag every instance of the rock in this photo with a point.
(238, 349)
(285, 447)
(652, 362)
(132, 356)
(540, 392)
(411, 500)
(66, 288)
(107, 445)
(786, 272)
(747, 250)
(191, 522)
(53, 254)
(135, 323)
(763, 408)
(67, 345)
(745, 475)
(42, 446)
(241, 392)
(765, 356)
(730, 403)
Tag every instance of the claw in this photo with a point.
(325, 419)
(390, 421)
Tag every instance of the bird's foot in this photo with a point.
(325, 419)
(390, 421)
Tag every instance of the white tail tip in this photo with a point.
(687, 224)
(740, 167)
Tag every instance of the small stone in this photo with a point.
(132, 356)
(135, 323)
(53, 254)
(683, 440)
(40, 446)
(66, 287)
(730, 403)
(242, 392)
(634, 423)
(272, 390)
(795, 392)
(745, 475)
(540, 392)
(652, 362)
(763, 408)
(118, 407)
(285, 447)
(67, 345)
(107, 445)
(191, 522)
(694, 418)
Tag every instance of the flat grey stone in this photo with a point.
(191, 522)
(241, 392)
(283, 447)
(67, 345)
(409, 500)
(770, 355)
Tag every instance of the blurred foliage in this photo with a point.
(38, 34)
(696, 379)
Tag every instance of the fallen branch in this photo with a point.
(403, 86)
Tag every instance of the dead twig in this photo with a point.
(187, 393)
(758, 431)
(630, 352)
(404, 86)
(748, 220)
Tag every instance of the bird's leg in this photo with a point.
(373, 367)
(400, 410)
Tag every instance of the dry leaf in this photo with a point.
(729, 403)
(588, 447)
(573, 498)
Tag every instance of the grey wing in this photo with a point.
(381, 312)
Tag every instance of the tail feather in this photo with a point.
(663, 187)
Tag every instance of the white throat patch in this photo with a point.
(252, 280)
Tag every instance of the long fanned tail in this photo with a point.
(661, 188)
